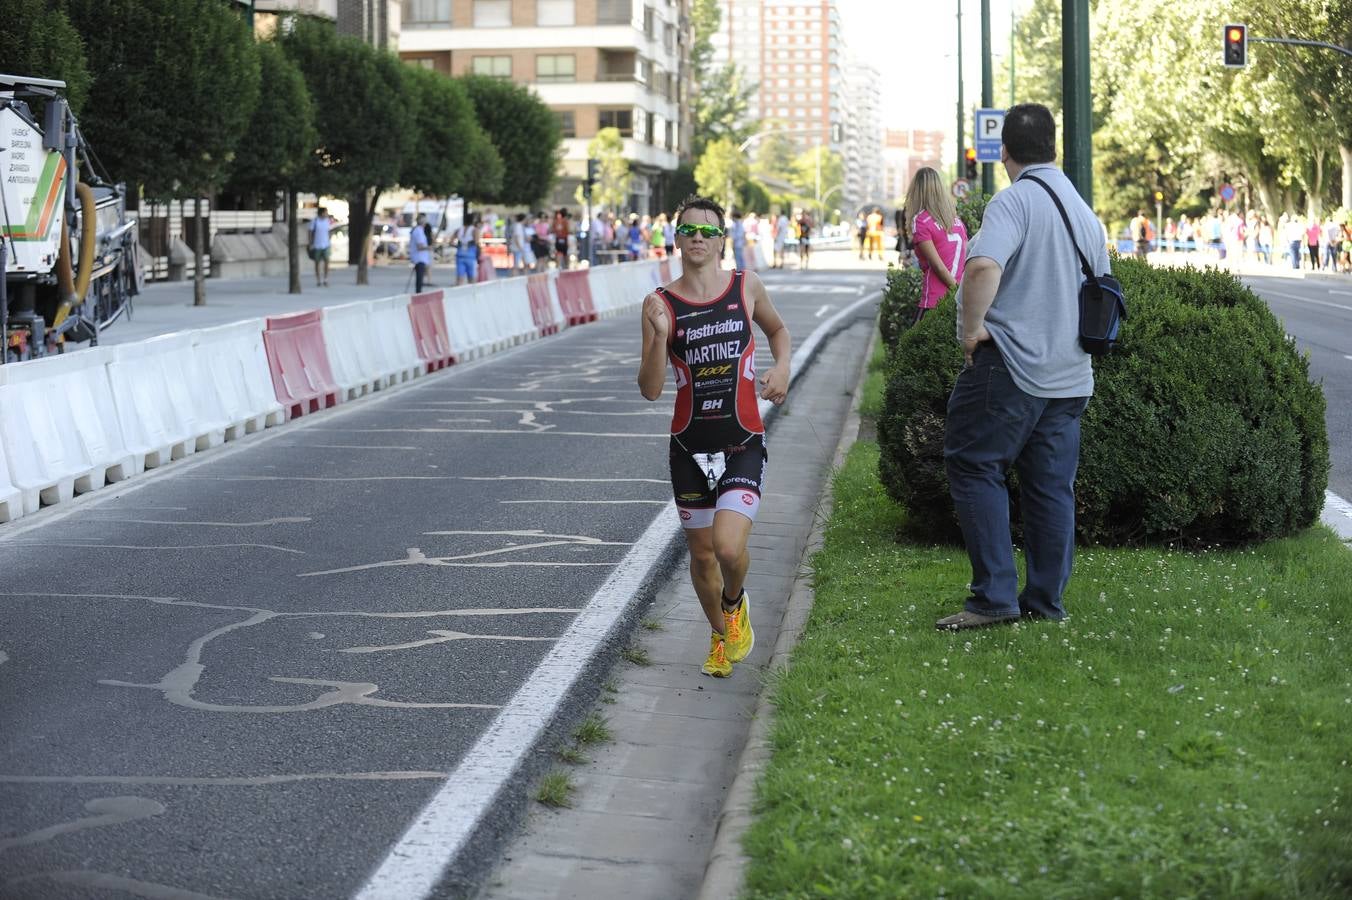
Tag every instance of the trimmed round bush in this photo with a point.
(901, 298)
(1204, 426)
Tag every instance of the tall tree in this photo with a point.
(612, 184)
(274, 153)
(526, 134)
(364, 118)
(722, 171)
(816, 172)
(175, 84)
(37, 40)
(721, 95)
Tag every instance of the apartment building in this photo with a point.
(374, 21)
(794, 52)
(596, 63)
(863, 139)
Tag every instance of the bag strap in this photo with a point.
(1084, 263)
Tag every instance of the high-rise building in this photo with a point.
(863, 139)
(793, 51)
(374, 21)
(596, 63)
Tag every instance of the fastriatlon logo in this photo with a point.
(680, 332)
(732, 306)
(685, 515)
(748, 499)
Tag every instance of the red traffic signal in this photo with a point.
(970, 156)
(1235, 46)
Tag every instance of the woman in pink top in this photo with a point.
(939, 237)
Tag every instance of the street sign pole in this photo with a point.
(987, 89)
(1078, 149)
(962, 114)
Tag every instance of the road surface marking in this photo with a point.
(1344, 307)
(1337, 515)
(825, 308)
(439, 831)
(107, 811)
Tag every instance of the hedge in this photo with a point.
(1204, 427)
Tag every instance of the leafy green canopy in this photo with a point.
(174, 86)
(275, 150)
(524, 132)
(38, 40)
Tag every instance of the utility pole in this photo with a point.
(987, 90)
(962, 133)
(1077, 147)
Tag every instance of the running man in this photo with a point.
(702, 323)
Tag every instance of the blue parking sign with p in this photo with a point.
(989, 124)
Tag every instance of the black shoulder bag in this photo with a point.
(1103, 306)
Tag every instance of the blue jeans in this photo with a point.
(991, 426)
(1295, 254)
(739, 256)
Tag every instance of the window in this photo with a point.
(555, 69)
(671, 136)
(614, 12)
(555, 12)
(643, 71)
(567, 122)
(641, 127)
(492, 13)
(649, 23)
(426, 62)
(493, 66)
(427, 14)
(623, 119)
(650, 131)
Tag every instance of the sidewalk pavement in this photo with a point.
(1279, 268)
(659, 811)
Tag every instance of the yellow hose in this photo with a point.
(72, 287)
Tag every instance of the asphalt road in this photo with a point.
(1317, 312)
(242, 677)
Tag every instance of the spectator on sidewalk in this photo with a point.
(738, 241)
(657, 235)
(1331, 243)
(633, 238)
(1293, 236)
(938, 236)
(522, 258)
(668, 235)
(1312, 232)
(1265, 238)
(468, 248)
(539, 241)
(1138, 234)
(861, 233)
(874, 224)
(419, 251)
(319, 245)
(1018, 402)
(1183, 232)
(781, 237)
(561, 231)
(804, 239)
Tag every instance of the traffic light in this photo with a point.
(1235, 40)
(970, 156)
(593, 175)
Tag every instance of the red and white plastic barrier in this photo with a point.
(71, 423)
(299, 363)
(427, 316)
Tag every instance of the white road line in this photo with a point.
(445, 824)
(826, 307)
(1337, 515)
(1343, 306)
(1344, 293)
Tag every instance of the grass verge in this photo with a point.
(1184, 734)
(556, 790)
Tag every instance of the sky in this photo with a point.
(914, 44)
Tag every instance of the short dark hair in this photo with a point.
(1029, 134)
(697, 202)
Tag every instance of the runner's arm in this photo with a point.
(776, 381)
(652, 368)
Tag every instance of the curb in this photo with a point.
(725, 874)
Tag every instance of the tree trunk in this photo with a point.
(363, 238)
(1268, 194)
(1346, 151)
(292, 242)
(199, 278)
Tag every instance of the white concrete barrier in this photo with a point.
(470, 326)
(58, 429)
(235, 365)
(513, 302)
(11, 498)
(349, 337)
(157, 387)
(392, 339)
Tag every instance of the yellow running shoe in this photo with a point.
(717, 664)
(737, 626)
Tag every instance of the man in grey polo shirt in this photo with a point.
(1026, 382)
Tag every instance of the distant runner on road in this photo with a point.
(702, 323)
